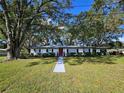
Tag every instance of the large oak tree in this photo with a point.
(18, 17)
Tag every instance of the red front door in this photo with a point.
(60, 51)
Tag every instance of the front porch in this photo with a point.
(65, 50)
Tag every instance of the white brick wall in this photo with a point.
(55, 51)
(72, 50)
(43, 51)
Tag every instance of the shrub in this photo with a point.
(48, 55)
(24, 53)
(52, 54)
(39, 54)
(80, 54)
(72, 54)
(87, 54)
(98, 53)
(103, 51)
(116, 53)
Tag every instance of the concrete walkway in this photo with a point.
(59, 67)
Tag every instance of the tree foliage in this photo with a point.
(98, 25)
(20, 17)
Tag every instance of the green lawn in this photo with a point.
(83, 75)
(2, 58)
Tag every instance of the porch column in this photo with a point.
(47, 50)
(39, 50)
(77, 51)
(89, 50)
(67, 50)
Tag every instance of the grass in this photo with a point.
(2, 58)
(83, 75)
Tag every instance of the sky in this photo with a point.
(80, 5)
(85, 5)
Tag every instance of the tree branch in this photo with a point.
(5, 11)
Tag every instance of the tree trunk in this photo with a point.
(13, 54)
(9, 55)
(9, 52)
(13, 51)
(16, 52)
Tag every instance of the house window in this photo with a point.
(49, 50)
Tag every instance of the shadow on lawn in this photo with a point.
(37, 63)
(94, 60)
(106, 60)
(48, 62)
(33, 64)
